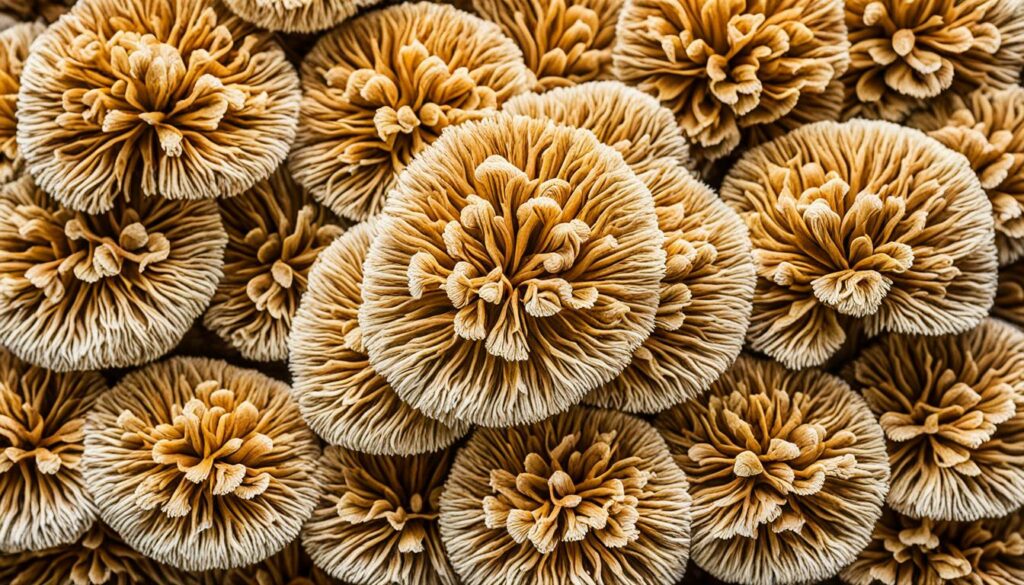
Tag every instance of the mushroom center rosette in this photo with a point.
(26, 437)
(368, 499)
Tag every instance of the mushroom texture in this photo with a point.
(705, 300)
(564, 42)
(909, 551)
(861, 224)
(584, 497)
(291, 566)
(787, 470)
(201, 465)
(906, 53)
(14, 43)
(296, 16)
(275, 231)
(952, 408)
(340, 395)
(517, 267)
(99, 557)
(988, 128)
(735, 70)
(171, 98)
(382, 87)
(42, 424)
(87, 292)
(624, 118)
(1010, 294)
(377, 519)
(47, 10)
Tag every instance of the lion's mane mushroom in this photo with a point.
(43, 495)
(171, 98)
(735, 71)
(201, 465)
(863, 223)
(788, 473)
(517, 267)
(14, 43)
(586, 496)
(383, 86)
(86, 292)
(952, 408)
(275, 231)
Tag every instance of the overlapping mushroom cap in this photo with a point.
(296, 16)
(517, 267)
(564, 42)
(905, 550)
(383, 86)
(201, 465)
(14, 43)
(862, 223)
(788, 473)
(735, 70)
(42, 435)
(586, 496)
(377, 520)
(171, 98)
(905, 53)
(1009, 303)
(83, 292)
(952, 408)
(340, 395)
(275, 232)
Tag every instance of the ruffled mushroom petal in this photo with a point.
(14, 43)
(201, 465)
(117, 101)
(340, 395)
(296, 16)
(87, 292)
(517, 267)
(42, 436)
(864, 222)
(291, 566)
(382, 87)
(952, 408)
(377, 519)
(787, 470)
(587, 496)
(275, 232)
(732, 71)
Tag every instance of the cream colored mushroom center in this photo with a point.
(24, 437)
(368, 499)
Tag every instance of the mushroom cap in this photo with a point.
(381, 87)
(787, 470)
(275, 231)
(777, 68)
(291, 16)
(1010, 294)
(14, 43)
(517, 267)
(42, 423)
(340, 395)
(952, 409)
(86, 292)
(377, 519)
(586, 496)
(861, 222)
(116, 102)
(201, 465)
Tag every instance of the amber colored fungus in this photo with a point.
(291, 566)
(381, 87)
(564, 42)
(201, 465)
(14, 43)
(377, 519)
(788, 473)
(99, 557)
(517, 267)
(628, 120)
(341, 397)
(910, 551)
(732, 70)
(42, 428)
(952, 408)
(275, 231)
(85, 292)
(584, 497)
(1010, 294)
(176, 98)
(988, 128)
(863, 222)
(296, 16)
(905, 53)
